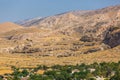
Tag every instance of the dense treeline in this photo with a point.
(107, 71)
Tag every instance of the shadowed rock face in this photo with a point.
(112, 38)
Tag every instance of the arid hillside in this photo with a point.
(8, 26)
(95, 24)
(70, 38)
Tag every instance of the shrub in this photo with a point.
(86, 38)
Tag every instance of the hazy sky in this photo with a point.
(14, 10)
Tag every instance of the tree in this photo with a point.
(24, 72)
(116, 76)
(16, 73)
(56, 67)
(35, 77)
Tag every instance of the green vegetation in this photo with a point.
(108, 71)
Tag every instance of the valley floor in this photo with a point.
(32, 60)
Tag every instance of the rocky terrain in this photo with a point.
(69, 35)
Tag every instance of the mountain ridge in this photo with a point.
(82, 12)
(68, 38)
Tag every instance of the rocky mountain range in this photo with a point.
(64, 35)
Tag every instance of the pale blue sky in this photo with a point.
(14, 10)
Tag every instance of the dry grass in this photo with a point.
(5, 71)
(40, 71)
(63, 43)
(31, 60)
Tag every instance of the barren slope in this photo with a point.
(68, 38)
(94, 23)
(8, 26)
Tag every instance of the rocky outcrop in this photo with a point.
(112, 38)
(7, 50)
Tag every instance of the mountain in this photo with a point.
(68, 38)
(94, 23)
(8, 26)
(76, 17)
(28, 21)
